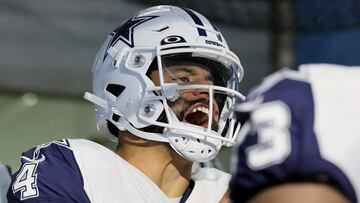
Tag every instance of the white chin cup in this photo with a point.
(193, 146)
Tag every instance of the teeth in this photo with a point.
(202, 109)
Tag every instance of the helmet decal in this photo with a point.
(197, 21)
(216, 29)
(125, 32)
(172, 39)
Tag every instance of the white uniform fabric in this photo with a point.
(101, 168)
(300, 126)
(336, 91)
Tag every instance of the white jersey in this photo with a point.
(301, 126)
(84, 171)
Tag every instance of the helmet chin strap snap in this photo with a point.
(149, 110)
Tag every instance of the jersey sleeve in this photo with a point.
(48, 173)
(280, 144)
(210, 185)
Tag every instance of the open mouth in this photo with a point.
(198, 115)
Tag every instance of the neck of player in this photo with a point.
(158, 161)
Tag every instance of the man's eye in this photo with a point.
(182, 79)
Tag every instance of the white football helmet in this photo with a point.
(127, 97)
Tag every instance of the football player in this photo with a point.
(165, 85)
(300, 138)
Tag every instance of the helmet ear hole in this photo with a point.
(115, 89)
(112, 128)
(115, 117)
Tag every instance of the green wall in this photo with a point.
(29, 120)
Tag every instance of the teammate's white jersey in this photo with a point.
(84, 171)
(301, 126)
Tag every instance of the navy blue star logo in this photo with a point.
(125, 32)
